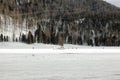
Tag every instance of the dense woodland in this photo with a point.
(81, 22)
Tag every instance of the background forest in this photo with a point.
(82, 22)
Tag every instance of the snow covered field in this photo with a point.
(59, 66)
(19, 45)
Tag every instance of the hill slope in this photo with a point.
(53, 7)
(91, 22)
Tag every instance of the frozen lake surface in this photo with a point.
(59, 66)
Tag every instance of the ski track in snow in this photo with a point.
(59, 66)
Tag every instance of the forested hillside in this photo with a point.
(91, 22)
(54, 8)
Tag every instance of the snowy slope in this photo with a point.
(59, 66)
(8, 27)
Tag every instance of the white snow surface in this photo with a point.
(40, 48)
(59, 66)
(20, 45)
(51, 62)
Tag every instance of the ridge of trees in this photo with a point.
(40, 9)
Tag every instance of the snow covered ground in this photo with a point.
(19, 45)
(19, 61)
(13, 47)
(59, 66)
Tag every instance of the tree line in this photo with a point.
(82, 22)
